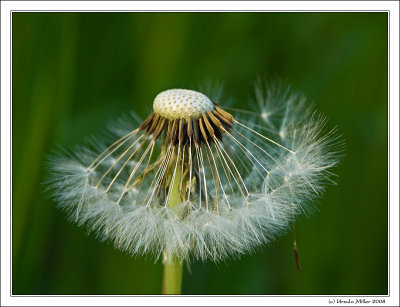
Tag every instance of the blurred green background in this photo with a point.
(74, 73)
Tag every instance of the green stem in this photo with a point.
(172, 275)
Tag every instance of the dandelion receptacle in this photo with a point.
(196, 180)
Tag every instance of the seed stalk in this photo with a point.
(173, 270)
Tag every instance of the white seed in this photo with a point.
(180, 103)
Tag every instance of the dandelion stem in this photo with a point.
(172, 275)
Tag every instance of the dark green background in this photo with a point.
(74, 73)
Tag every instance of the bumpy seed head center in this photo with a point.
(179, 103)
(183, 116)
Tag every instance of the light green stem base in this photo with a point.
(172, 277)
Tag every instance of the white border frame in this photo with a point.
(6, 7)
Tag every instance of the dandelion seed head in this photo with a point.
(195, 181)
(180, 103)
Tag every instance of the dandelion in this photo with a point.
(195, 180)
